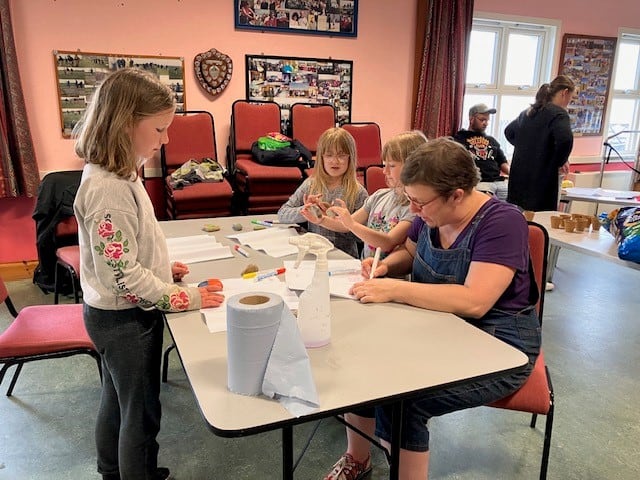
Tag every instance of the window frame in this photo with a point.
(632, 147)
(548, 33)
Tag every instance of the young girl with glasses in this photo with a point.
(334, 177)
(385, 218)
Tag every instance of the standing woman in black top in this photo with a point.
(543, 140)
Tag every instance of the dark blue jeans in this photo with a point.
(130, 346)
(520, 330)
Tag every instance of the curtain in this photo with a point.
(18, 167)
(442, 35)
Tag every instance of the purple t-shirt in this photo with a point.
(502, 237)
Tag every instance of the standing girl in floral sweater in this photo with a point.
(126, 277)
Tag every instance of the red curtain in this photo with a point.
(18, 167)
(443, 31)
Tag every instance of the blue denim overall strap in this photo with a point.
(438, 265)
(444, 265)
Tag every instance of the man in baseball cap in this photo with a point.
(486, 151)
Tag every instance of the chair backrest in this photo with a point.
(309, 121)
(368, 143)
(538, 248)
(249, 121)
(191, 135)
(374, 179)
(67, 226)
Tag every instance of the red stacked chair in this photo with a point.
(368, 145)
(308, 122)
(192, 136)
(260, 188)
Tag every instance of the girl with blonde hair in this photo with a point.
(334, 177)
(125, 273)
(385, 218)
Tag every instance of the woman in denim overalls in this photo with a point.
(467, 254)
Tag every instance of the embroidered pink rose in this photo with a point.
(132, 298)
(113, 250)
(105, 229)
(179, 301)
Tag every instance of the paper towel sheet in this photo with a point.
(273, 241)
(216, 318)
(339, 285)
(266, 353)
(196, 248)
(288, 377)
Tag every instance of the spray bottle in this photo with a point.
(314, 311)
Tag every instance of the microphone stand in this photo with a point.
(607, 155)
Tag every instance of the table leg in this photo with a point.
(554, 251)
(287, 452)
(396, 432)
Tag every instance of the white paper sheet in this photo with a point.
(347, 272)
(216, 318)
(196, 248)
(274, 241)
(602, 192)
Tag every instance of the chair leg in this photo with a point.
(547, 444)
(14, 379)
(534, 417)
(165, 362)
(56, 288)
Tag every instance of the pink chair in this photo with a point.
(368, 145)
(41, 332)
(374, 179)
(68, 258)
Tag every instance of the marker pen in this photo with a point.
(241, 250)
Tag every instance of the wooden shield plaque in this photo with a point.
(213, 69)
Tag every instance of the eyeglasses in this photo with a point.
(418, 204)
(343, 157)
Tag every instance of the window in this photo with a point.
(507, 63)
(624, 112)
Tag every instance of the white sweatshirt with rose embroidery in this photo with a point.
(124, 262)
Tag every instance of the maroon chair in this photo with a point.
(260, 188)
(536, 396)
(192, 136)
(67, 259)
(309, 121)
(374, 179)
(368, 145)
(41, 332)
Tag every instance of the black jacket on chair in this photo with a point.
(56, 194)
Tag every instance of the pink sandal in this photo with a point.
(347, 468)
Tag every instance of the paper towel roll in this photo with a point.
(252, 325)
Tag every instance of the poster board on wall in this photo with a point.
(289, 80)
(588, 61)
(79, 73)
(327, 17)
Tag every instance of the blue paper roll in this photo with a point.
(252, 324)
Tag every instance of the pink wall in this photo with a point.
(577, 16)
(382, 55)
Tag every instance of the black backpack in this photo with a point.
(295, 155)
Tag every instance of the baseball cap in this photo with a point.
(480, 108)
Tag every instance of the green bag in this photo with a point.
(269, 143)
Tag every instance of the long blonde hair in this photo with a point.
(398, 149)
(103, 134)
(339, 141)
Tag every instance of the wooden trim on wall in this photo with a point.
(17, 270)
